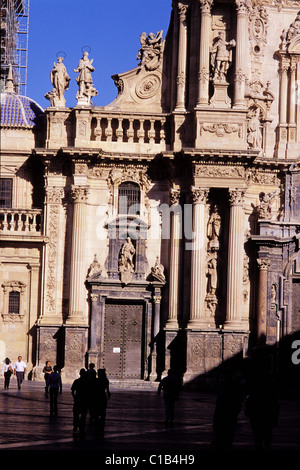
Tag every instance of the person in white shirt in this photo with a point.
(20, 371)
(7, 370)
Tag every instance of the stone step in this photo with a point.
(132, 384)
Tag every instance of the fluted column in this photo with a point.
(292, 104)
(198, 278)
(242, 44)
(77, 270)
(262, 301)
(182, 56)
(203, 77)
(174, 260)
(235, 259)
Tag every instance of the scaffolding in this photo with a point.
(14, 42)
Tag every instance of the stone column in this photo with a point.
(262, 301)
(77, 270)
(203, 77)
(292, 104)
(242, 44)
(283, 93)
(156, 323)
(174, 260)
(235, 260)
(198, 278)
(182, 56)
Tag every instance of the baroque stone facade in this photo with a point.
(162, 229)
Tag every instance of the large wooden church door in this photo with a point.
(123, 340)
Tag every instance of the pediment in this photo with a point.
(294, 46)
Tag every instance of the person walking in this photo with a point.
(170, 387)
(103, 394)
(20, 371)
(54, 385)
(46, 371)
(80, 405)
(7, 370)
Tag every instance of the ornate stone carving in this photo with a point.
(221, 129)
(263, 263)
(60, 80)
(148, 86)
(158, 271)
(236, 197)
(150, 53)
(214, 227)
(265, 207)
(199, 195)
(254, 137)
(126, 264)
(94, 268)
(174, 196)
(217, 171)
(182, 11)
(85, 81)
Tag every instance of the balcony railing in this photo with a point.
(21, 221)
(137, 131)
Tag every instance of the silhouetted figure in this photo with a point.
(80, 405)
(54, 385)
(7, 370)
(46, 371)
(262, 408)
(103, 394)
(170, 387)
(91, 378)
(228, 407)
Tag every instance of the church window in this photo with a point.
(14, 302)
(5, 193)
(129, 197)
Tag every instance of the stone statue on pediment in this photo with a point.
(158, 271)
(254, 137)
(60, 81)
(150, 52)
(126, 257)
(85, 82)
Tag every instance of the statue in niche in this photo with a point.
(221, 56)
(254, 137)
(213, 228)
(60, 81)
(211, 273)
(158, 271)
(265, 206)
(126, 257)
(85, 81)
(150, 52)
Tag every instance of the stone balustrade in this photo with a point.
(134, 130)
(21, 221)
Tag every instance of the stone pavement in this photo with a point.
(134, 423)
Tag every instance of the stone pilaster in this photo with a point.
(262, 301)
(242, 44)
(182, 56)
(51, 309)
(174, 260)
(203, 77)
(198, 278)
(77, 271)
(235, 260)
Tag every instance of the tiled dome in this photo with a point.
(18, 111)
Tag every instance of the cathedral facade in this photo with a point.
(161, 230)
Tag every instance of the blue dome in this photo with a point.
(18, 111)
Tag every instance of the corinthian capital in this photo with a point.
(182, 10)
(236, 197)
(205, 5)
(79, 193)
(199, 195)
(263, 263)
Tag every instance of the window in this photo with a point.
(129, 195)
(14, 302)
(5, 193)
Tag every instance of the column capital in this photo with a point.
(54, 194)
(175, 196)
(205, 5)
(199, 195)
(236, 197)
(182, 9)
(243, 6)
(263, 263)
(79, 193)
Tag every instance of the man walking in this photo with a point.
(20, 371)
(54, 385)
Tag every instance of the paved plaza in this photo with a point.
(135, 423)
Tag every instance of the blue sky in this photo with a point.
(110, 28)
